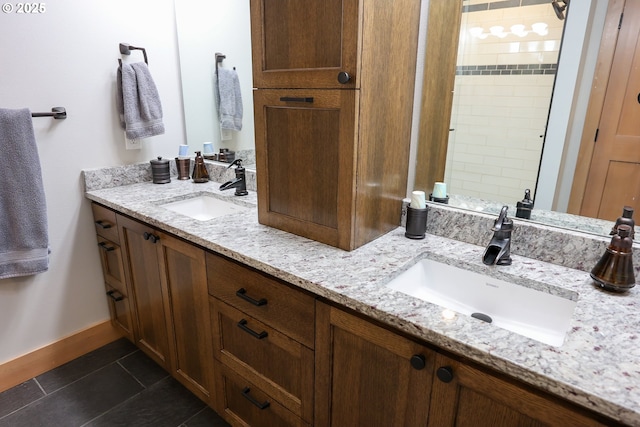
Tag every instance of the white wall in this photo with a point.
(67, 57)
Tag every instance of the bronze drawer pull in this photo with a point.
(242, 293)
(100, 223)
(111, 295)
(242, 324)
(245, 393)
(308, 99)
(106, 247)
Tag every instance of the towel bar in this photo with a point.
(220, 57)
(125, 49)
(56, 113)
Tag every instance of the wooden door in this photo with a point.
(464, 396)
(304, 44)
(184, 273)
(367, 375)
(305, 152)
(614, 175)
(150, 300)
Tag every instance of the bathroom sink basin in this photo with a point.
(533, 313)
(203, 207)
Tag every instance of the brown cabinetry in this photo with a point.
(367, 375)
(333, 115)
(263, 334)
(113, 270)
(168, 280)
(157, 292)
(463, 395)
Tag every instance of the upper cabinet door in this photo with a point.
(304, 44)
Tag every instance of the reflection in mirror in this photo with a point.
(506, 66)
(575, 73)
(203, 29)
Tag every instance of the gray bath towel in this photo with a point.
(229, 99)
(138, 101)
(24, 238)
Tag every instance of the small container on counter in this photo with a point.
(160, 171)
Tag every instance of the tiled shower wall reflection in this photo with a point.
(504, 80)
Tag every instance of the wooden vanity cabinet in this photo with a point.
(333, 110)
(463, 395)
(263, 339)
(113, 270)
(168, 281)
(367, 375)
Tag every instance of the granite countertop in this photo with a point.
(598, 365)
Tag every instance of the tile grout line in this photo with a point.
(35, 379)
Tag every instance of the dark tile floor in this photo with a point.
(115, 385)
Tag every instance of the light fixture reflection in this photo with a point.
(540, 28)
(518, 30)
(448, 314)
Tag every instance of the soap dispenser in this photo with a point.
(614, 270)
(524, 207)
(626, 218)
(200, 173)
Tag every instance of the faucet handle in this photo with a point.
(503, 223)
(237, 162)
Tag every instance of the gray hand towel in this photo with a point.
(24, 238)
(229, 99)
(138, 101)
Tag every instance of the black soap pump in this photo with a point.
(524, 207)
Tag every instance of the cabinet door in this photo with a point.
(305, 144)
(150, 299)
(465, 396)
(183, 269)
(304, 44)
(120, 310)
(367, 375)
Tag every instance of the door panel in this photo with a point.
(613, 176)
(305, 151)
(302, 44)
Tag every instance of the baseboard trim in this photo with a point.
(32, 364)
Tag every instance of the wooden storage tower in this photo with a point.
(333, 102)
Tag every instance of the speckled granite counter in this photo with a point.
(598, 366)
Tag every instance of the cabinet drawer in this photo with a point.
(242, 403)
(105, 222)
(120, 310)
(274, 362)
(112, 267)
(264, 298)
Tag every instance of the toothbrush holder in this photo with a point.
(416, 223)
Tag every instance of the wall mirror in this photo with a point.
(224, 26)
(204, 29)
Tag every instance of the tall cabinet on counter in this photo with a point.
(333, 106)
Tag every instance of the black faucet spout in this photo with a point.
(239, 182)
(498, 251)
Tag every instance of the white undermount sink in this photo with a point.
(533, 313)
(203, 207)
